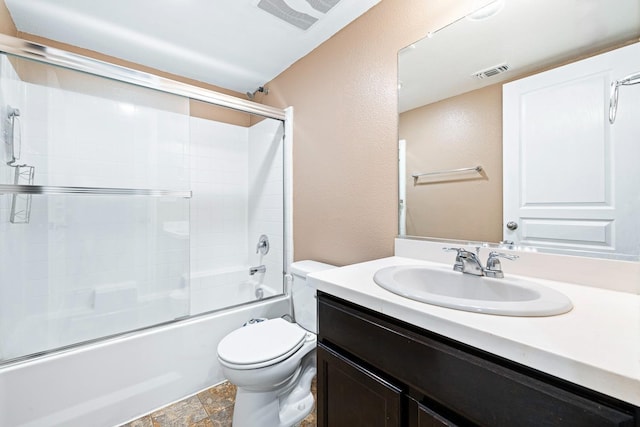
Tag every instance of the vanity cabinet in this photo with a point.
(347, 386)
(374, 370)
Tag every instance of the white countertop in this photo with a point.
(595, 345)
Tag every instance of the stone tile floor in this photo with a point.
(210, 408)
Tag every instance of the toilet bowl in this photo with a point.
(273, 362)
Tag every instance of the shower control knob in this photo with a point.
(512, 225)
(263, 245)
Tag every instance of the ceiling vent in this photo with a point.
(490, 72)
(323, 6)
(289, 10)
(282, 10)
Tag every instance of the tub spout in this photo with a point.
(258, 269)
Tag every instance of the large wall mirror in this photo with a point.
(505, 134)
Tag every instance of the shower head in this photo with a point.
(252, 95)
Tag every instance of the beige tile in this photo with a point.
(223, 417)
(181, 414)
(204, 423)
(218, 398)
(140, 422)
(210, 408)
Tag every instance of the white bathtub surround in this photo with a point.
(219, 180)
(222, 288)
(237, 183)
(266, 200)
(594, 345)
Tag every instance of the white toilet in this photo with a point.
(274, 361)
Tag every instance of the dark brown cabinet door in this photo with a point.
(421, 416)
(350, 396)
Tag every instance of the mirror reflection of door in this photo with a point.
(565, 164)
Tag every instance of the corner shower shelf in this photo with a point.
(99, 191)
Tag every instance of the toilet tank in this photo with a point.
(304, 295)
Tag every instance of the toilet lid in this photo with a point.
(262, 344)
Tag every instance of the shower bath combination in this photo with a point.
(23, 173)
(115, 258)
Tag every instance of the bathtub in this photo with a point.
(111, 309)
(226, 287)
(111, 382)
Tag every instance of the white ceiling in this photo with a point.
(526, 34)
(229, 43)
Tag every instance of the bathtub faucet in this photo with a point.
(258, 269)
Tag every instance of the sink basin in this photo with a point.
(447, 288)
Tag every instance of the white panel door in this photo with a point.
(571, 178)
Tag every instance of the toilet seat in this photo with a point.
(261, 344)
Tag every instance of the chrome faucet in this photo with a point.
(494, 267)
(468, 262)
(263, 245)
(258, 269)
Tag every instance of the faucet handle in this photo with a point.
(263, 245)
(494, 267)
(458, 251)
(447, 249)
(458, 265)
(463, 253)
(495, 255)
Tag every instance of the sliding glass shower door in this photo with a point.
(124, 207)
(95, 241)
